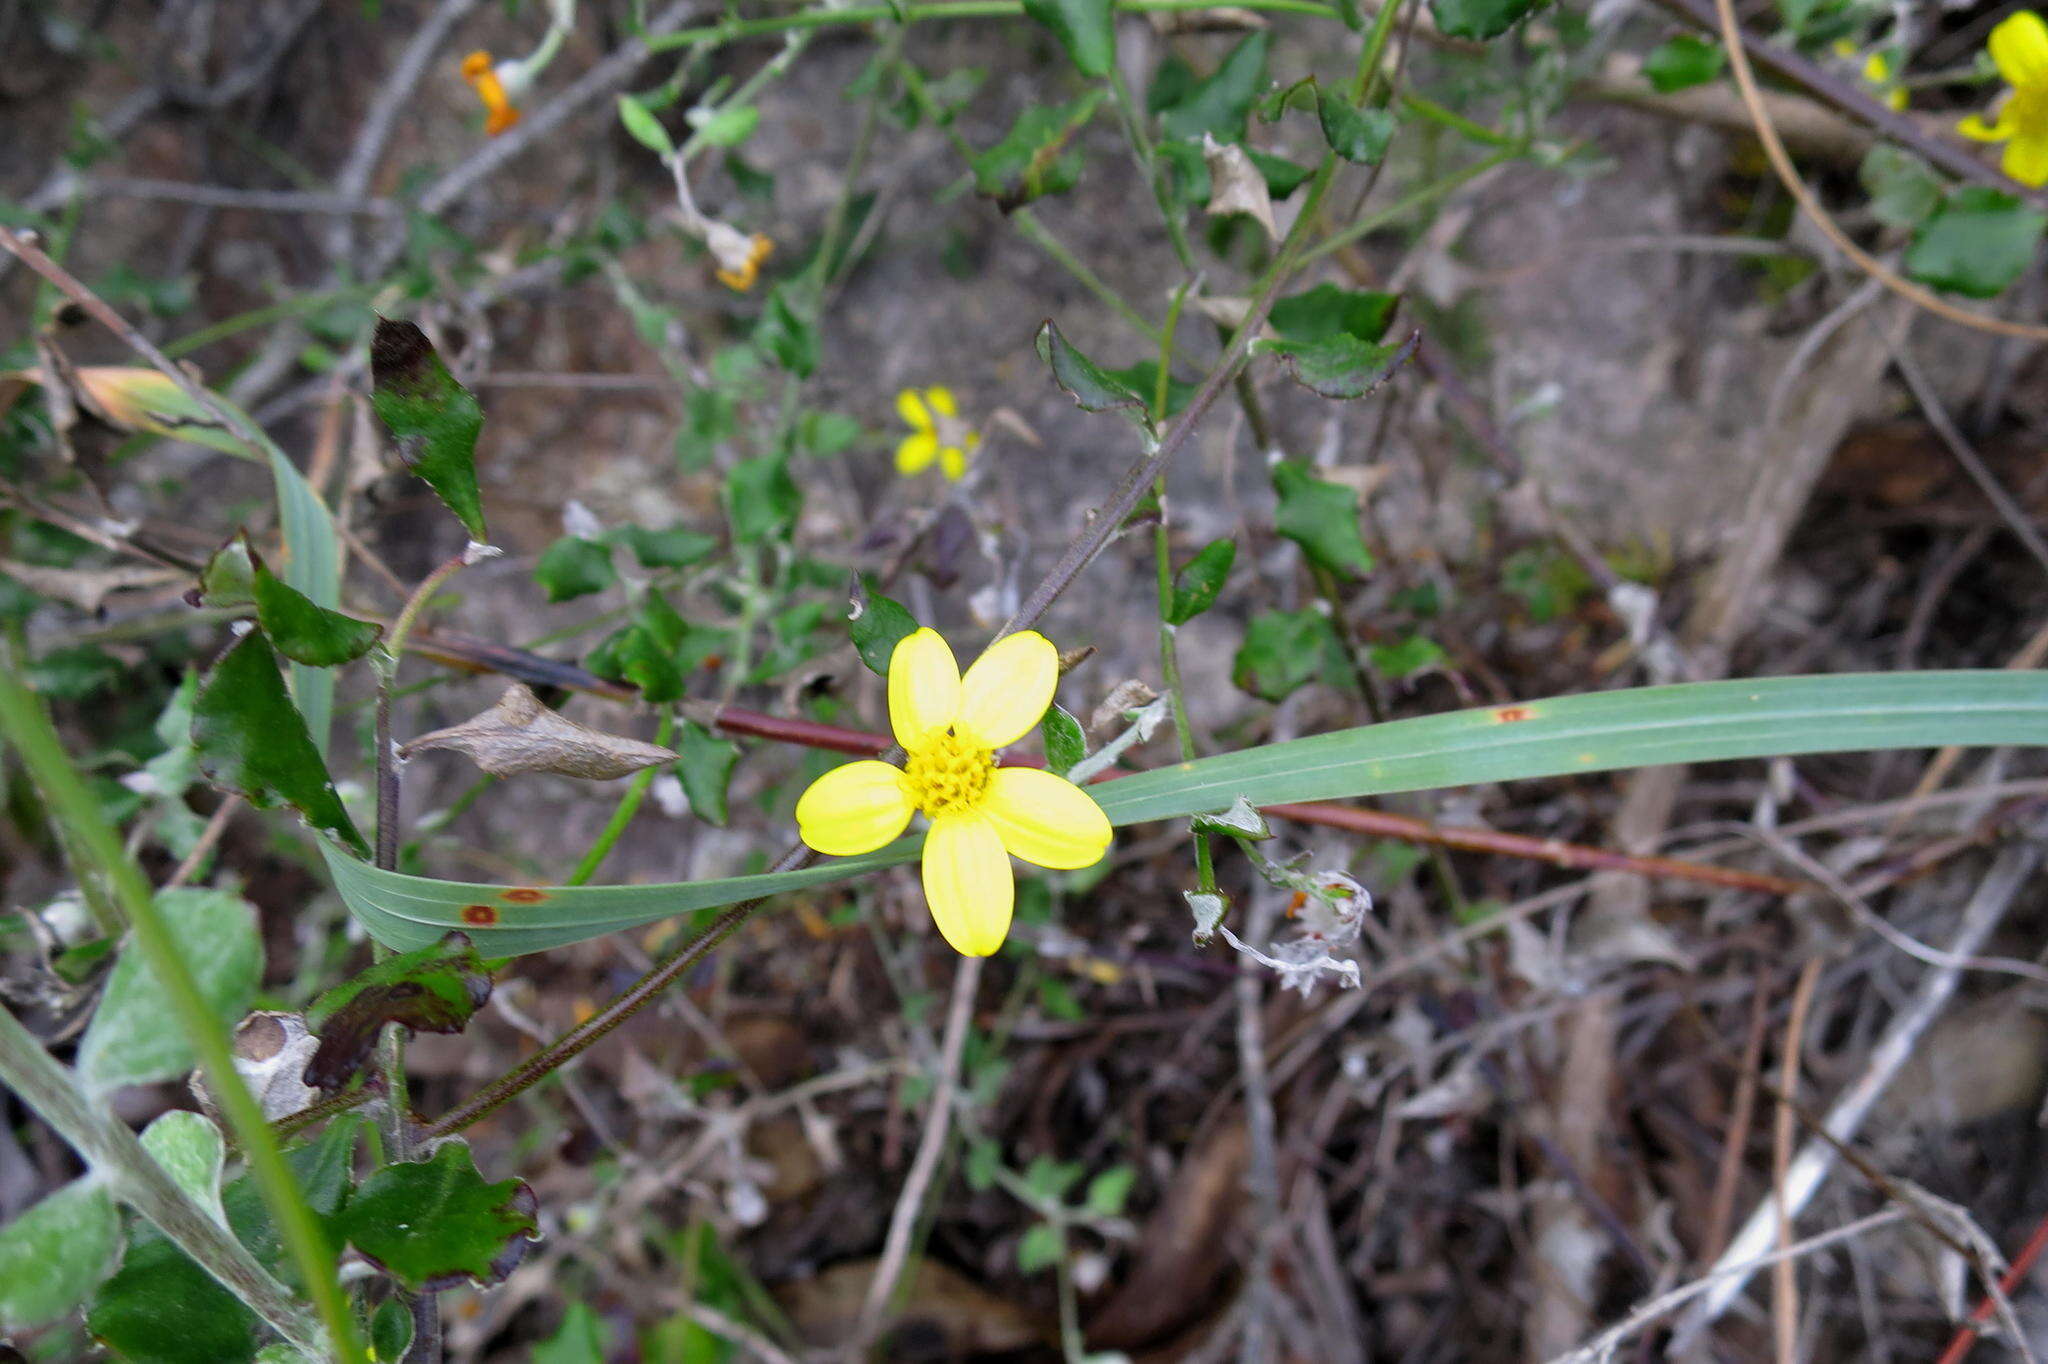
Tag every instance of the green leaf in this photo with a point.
(1033, 159)
(1282, 176)
(229, 578)
(391, 1329)
(1903, 189)
(436, 989)
(1282, 652)
(1976, 244)
(251, 740)
(1683, 62)
(580, 1341)
(1143, 377)
(1328, 311)
(1359, 135)
(1065, 743)
(788, 331)
(1199, 581)
(878, 624)
(706, 770)
(726, 126)
(1321, 517)
(1240, 821)
(1478, 18)
(53, 1253)
(434, 1223)
(307, 633)
(1110, 1190)
(635, 654)
(1093, 388)
(160, 1307)
(434, 419)
(761, 499)
(1406, 658)
(192, 1152)
(574, 567)
(1218, 104)
(1341, 367)
(1040, 1248)
(645, 128)
(676, 547)
(130, 1042)
(1085, 28)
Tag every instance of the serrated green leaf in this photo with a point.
(1321, 517)
(1683, 62)
(54, 1252)
(574, 567)
(192, 1153)
(1976, 244)
(1218, 104)
(434, 419)
(251, 740)
(435, 989)
(1903, 189)
(307, 633)
(878, 625)
(1093, 388)
(1340, 367)
(1033, 159)
(1359, 135)
(1065, 743)
(643, 127)
(1199, 581)
(1085, 28)
(1480, 19)
(761, 498)
(706, 770)
(436, 1222)
(1040, 1248)
(1284, 651)
(129, 1041)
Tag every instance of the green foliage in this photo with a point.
(878, 625)
(1549, 582)
(435, 1223)
(1321, 517)
(162, 1308)
(706, 770)
(1041, 1247)
(761, 499)
(1110, 1190)
(726, 126)
(1093, 388)
(788, 330)
(1976, 244)
(1200, 579)
(1328, 311)
(1682, 62)
(1065, 742)
(1283, 651)
(435, 989)
(641, 124)
(306, 632)
(434, 419)
(251, 740)
(1218, 104)
(1085, 28)
(1341, 367)
(1478, 18)
(129, 1041)
(1904, 191)
(574, 567)
(1033, 159)
(55, 1252)
(1359, 135)
(1407, 657)
(676, 547)
(581, 1339)
(192, 1152)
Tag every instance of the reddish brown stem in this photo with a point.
(1966, 1335)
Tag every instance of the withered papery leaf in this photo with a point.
(1235, 185)
(519, 734)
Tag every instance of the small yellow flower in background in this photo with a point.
(936, 433)
(1880, 73)
(2019, 48)
(950, 728)
(485, 78)
(739, 256)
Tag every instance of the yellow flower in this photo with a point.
(1878, 73)
(484, 78)
(950, 728)
(739, 258)
(936, 433)
(2019, 48)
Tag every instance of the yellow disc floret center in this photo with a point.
(945, 776)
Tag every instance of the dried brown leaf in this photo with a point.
(1235, 185)
(87, 588)
(519, 734)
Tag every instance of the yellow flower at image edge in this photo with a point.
(2019, 48)
(950, 728)
(936, 433)
(482, 75)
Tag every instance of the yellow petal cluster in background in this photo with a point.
(981, 814)
(484, 78)
(936, 433)
(2019, 49)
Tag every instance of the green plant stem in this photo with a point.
(1133, 119)
(1032, 230)
(735, 29)
(1375, 48)
(1457, 122)
(29, 730)
(1401, 208)
(629, 805)
(112, 1150)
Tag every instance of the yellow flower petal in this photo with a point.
(1045, 819)
(2019, 48)
(911, 408)
(953, 463)
(1896, 99)
(924, 686)
(967, 883)
(917, 452)
(1007, 689)
(1877, 68)
(2026, 158)
(941, 400)
(1977, 130)
(854, 809)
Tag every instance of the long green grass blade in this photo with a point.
(1602, 731)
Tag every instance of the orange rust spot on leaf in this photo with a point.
(1508, 715)
(525, 896)
(479, 916)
